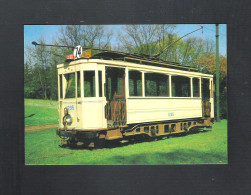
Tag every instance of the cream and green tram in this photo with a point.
(116, 96)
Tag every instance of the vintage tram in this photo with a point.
(116, 96)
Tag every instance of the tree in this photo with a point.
(42, 57)
(144, 39)
(91, 36)
(193, 48)
(208, 65)
(38, 59)
(152, 39)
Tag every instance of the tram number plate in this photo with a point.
(170, 113)
(71, 107)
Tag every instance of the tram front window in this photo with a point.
(70, 85)
(89, 84)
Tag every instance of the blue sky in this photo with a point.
(33, 32)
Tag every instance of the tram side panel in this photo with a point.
(85, 114)
(93, 115)
(146, 110)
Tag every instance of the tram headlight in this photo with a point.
(67, 119)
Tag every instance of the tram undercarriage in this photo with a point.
(96, 138)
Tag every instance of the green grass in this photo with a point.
(45, 112)
(209, 147)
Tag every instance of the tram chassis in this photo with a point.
(92, 138)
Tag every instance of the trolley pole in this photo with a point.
(217, 75)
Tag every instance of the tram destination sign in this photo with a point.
(79, 53)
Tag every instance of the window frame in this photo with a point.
(80, 84)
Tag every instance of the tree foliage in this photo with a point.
(152, 39)
(144, 39)
(208, 65)
(89, 36)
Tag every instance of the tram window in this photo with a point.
(181, 86)
(100, 83)
(135, 83)
(78, 84)
(156, 84)
(61, 86)
(89, 84)
(70, 85)
(205, 89)
(196, 87)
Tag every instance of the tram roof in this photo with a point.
(146, 59)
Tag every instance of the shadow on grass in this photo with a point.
(181, 156)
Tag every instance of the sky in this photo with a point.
(33, 32)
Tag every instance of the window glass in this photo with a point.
(163, 85)
(89, 84)
(70, 85)
(135, 83)
(119, 85)
(78, 84)
(181, 86)
(100, 83)
(196, 87)
(156, 84)
(60, 86)
(205, 89)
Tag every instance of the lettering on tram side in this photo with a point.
(170, 113)
(71, 107)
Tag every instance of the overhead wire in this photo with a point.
(210, 29)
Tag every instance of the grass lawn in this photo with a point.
(45, 112)
(210, 147)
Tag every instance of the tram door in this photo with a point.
(206, 105)
(115, 97)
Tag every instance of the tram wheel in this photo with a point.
(86, 144)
